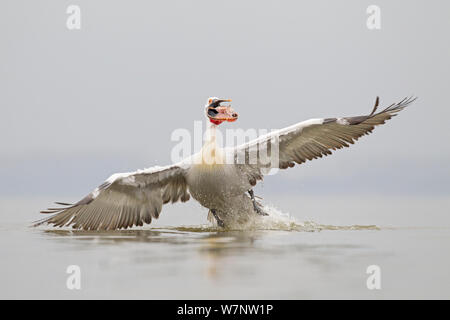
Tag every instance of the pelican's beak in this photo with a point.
(219, 113)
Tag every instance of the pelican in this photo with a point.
(220, 179)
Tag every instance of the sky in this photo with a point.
(79, 105)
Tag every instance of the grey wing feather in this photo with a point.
(123, 200)
(310, 140)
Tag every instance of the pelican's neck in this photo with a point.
(210, 135)
(209, 150)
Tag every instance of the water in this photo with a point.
(321, 249)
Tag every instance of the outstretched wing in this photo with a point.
(308, 140)
(123, 200)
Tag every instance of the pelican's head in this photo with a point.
(218, 113)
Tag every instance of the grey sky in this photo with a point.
(77, 106)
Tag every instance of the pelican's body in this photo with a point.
(223, 186)
(216, 185)
(213, 186)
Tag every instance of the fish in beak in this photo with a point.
(218, 113)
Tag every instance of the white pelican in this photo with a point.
(131, 199)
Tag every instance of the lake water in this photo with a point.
(319, 247)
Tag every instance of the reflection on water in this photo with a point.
(214, 246)
(265, 251)
(282, 257)
(211, 244)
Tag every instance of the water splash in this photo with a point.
(276, 220)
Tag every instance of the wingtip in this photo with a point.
(407, 101)
(402, 104)
(37, 223)
(375, 106)
(63, 203)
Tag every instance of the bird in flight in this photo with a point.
(220, 179)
